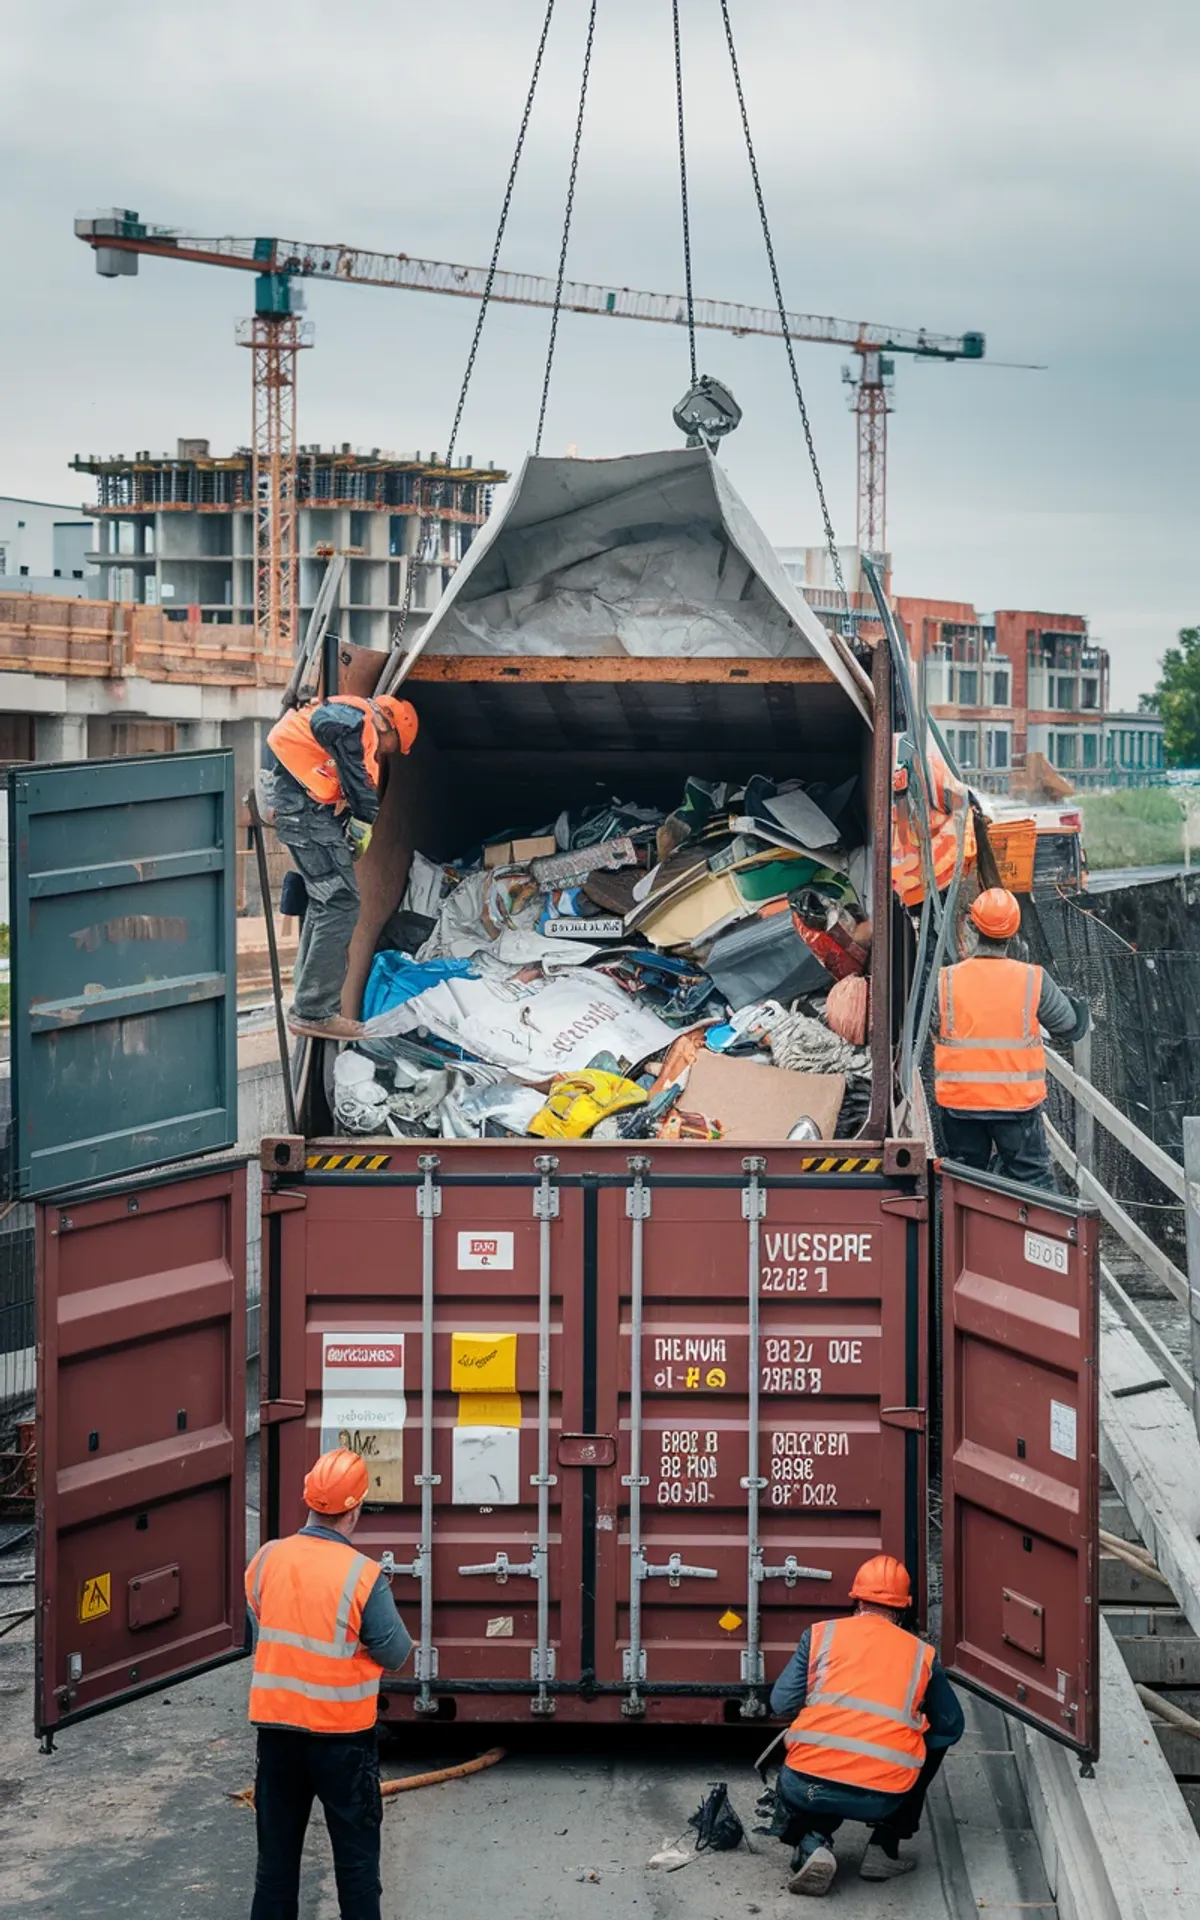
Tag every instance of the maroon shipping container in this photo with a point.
(633, 1417)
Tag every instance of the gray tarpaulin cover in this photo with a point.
(651, 554)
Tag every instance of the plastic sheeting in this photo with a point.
(652, 554)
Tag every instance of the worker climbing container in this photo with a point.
(633, 1412)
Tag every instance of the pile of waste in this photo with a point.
(624, 974)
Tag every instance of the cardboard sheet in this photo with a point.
(757, 1104)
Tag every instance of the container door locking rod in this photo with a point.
(429, 1207)
(637, 1210)
(754, 1207)
(545, 1209)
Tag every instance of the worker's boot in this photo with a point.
(884, 1861)
(813, 1874)
(337, 1027)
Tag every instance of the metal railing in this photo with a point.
(1183, 1182)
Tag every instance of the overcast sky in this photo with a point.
(1029, 169)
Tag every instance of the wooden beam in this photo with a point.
(622, 669)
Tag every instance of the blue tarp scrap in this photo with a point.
(394, 978)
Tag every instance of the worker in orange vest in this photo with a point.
(872, 1714)
(325, 792)
(989, 1061)
(327, 1628)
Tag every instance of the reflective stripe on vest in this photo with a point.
(989, 1056)
(311, 1670)
(908, 872)
(861, 1722)
(297, 748)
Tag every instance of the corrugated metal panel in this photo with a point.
(141, 1438)
(832, 1382)
(123, 966)
(1021, 1619)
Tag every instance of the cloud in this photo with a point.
(1028, 169)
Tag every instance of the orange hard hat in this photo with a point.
(337, 1482)
(401, 716)
(996, 913)
(884, 1582)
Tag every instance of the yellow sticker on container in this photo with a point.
(483, 1362)
(489, 1410)
(730, 1620)
(95, 1600)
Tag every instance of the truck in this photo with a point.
(634, 1412)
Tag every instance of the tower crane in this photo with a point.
(277, 334)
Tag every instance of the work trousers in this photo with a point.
(1018, 1141)
(315, 838)
(817, 1808)
(341, 1770)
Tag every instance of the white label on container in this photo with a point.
(500, 1627)
(486, 1464)
(485, 1250)
(1040, 1251)
(1063, 1430)
(363, 1405)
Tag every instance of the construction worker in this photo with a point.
(327, 1628)
(872, 1714)
(989, 1061)
(325, 791)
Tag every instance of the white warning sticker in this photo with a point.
(1041, 1251)
(485, 1250)
(1063, 1430)
(363, 1405)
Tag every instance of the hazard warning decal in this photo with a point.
(95, 1599)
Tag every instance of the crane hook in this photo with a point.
(707, 412)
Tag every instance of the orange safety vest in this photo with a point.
(295, 746)
(908, 872)
(311, 1673)
(861, 1722)
(989, 1057)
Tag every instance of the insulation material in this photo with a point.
(652, 554)
(363, 1405)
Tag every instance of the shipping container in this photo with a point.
(633, 1413)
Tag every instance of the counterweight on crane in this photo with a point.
(276, 335)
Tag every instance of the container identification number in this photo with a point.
(789, 1365)
(800, 1262)
(687, 1467)
(793, 1474)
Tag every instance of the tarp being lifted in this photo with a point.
(653, 554)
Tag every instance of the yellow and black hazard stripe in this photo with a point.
(836, 1164)
(347, 1162)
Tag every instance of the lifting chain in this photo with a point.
(683, 196)
(830, 538)
(566, 232)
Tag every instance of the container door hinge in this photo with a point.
(910, 1206)
(911, 1419)
(791, 1571)
(285, 1201)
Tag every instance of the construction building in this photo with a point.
(177, 532)
(1004, 687)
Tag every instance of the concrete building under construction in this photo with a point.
(177, 531)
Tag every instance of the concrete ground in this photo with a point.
(130, 1816)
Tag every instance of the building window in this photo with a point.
(1064, 693)
(1063, 754)
(999, 689)
(967, 742)
(997, 747)
(3, 559)
(1089, 693)
(967, 692)
(1089, 750)
(23, 570)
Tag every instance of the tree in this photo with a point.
(1177, 698)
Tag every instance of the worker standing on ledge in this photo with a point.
(873, 1716)
(989, 1061)
(327, 1630)
(325, 792)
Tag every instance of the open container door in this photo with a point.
(1021, 1469)
(124, 1061)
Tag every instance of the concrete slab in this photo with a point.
(1120, 1846)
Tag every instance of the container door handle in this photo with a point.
(502, 1566)
(791, 1571)
(675, 1571)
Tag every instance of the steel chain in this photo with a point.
(429, 525)
(566, 233)
(830, 538)
(683, 195)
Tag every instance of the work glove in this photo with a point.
(358, 834)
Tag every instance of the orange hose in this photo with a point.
(245, 1795)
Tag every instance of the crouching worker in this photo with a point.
(873, 1714)
(325, 792)
(327, 1630)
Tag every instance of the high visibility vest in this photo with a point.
(908, 870)
(311, 1672)
(862, 1722)
(296, 747)
(989, 1057)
